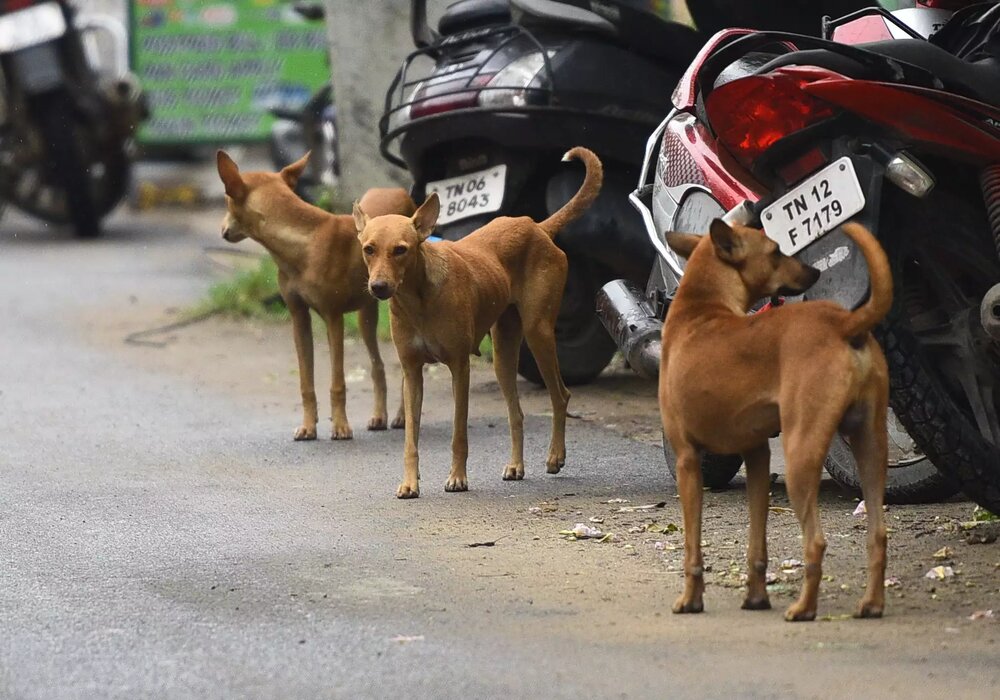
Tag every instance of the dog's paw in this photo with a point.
(513, 472)
(341, 431)
(408, 491)
(756, 603)
(399, 422)
(683, 605)
(304, 433)
(555, 462)
(868, 610)
(456, 483)
(377, 423)
(799, 613)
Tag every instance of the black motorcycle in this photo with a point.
(65, 128)
(485, 107)
(311, 127)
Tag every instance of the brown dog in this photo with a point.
(319, 267)
(729, 381)
(507, 279)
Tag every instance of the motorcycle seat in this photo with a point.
(473, 14)
(979, 80)
(630, 22)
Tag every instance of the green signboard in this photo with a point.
(213, 68)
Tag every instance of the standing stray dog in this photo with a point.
(729, 381)
(506, 279)
(319, 267)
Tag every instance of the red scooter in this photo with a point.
(873, 122)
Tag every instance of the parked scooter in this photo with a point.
(483, 109)
(873, 122)
(310, 127)
(66, 122)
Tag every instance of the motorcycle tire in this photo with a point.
(716, 470)
(919, 482)
(69, 168)
(945, 429)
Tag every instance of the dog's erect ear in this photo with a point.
(230, 175)
(682, 243)
(728, 246)
(360, 218)
(291, 173)
(426, 216)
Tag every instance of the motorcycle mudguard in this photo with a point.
(844, 277)
(36, 69)
(610, 231)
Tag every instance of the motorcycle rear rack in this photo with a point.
(403, 86)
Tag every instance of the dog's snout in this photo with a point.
(380, 289)
(225, 233)
(812, 275)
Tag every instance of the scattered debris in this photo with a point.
(659, 546)
(485, 544)
(657, 528)
(617, 500)
(780, 510)
(607, 538)
(629, 549)
(861, 509)
(406, 639)
(943, 553)
(893, 582)
(535, 510)
(595, 519)
(791, 564)
(982, 615)
(636, 528)
(582, 531)
(940, 573)
(981, 515)
(834, 618)
(983, 532)
(636, 509)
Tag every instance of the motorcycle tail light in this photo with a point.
(438, 97)
(13, 5)
(751, 114)
(510, 87)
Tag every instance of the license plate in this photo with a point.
(480, 192)
(814, 207)
(30, 26)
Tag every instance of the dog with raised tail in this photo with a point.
(505, 279)
(320, 268)
(729, 381)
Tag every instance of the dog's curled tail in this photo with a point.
(867, 316)
(583, 198)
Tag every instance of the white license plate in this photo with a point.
(480, 192)
(30, 26)
(814, 207)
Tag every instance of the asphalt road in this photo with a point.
(161, 537)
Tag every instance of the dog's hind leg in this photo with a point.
(541, 338)
(302, 332)
(806, 443)
(458, 479)
(869, 443)
(506, 345)
(400, 420)
(689, 488)
(338, 387)
(757, 462)
(368, 324)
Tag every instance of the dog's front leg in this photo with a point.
(757, 462)
(458, 479)
(506, 346)
(689, 485)
(302, 332)
(413, 398)
(338, 387)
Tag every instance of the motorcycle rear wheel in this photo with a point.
(944, 371)
(70, 170)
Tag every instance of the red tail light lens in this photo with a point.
(750, 114)
(446, 96)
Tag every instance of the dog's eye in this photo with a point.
(369, 250)
(399, 250)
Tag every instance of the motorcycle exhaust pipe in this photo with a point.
(630, 320)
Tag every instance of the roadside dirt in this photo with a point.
(606, 585)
